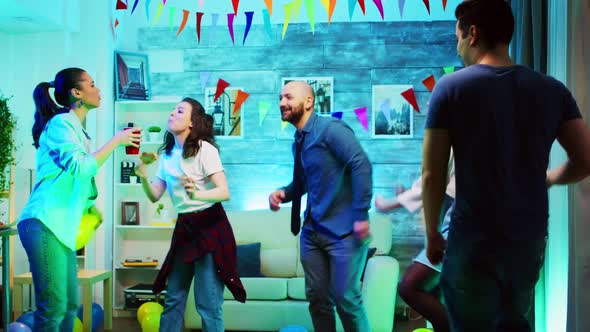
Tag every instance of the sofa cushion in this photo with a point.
(296, 288)
(278, 263)
(249, 260)
(262, 289)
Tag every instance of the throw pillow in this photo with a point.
(249, 260)
(369, 255)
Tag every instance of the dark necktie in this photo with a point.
(298, 187)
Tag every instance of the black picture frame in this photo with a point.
(129, 213)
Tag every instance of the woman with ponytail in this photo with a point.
(64, 190)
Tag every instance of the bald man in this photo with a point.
(336, 175)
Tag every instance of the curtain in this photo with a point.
(529, 45)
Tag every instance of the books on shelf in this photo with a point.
(139, 262)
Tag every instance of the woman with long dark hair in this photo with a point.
(203, 245)
(64, 190)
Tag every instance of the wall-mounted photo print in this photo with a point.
(131, 76)
(392, 114)
(129, 213)
(323, 88)
(226, 122)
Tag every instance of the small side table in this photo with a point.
(86, 279)
(5, 235)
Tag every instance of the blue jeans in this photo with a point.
(333, 269)
(208, 292)
(54, 270)
(488, 280)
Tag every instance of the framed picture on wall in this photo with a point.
(392, 114)
(132, 80)
(227, 122)
(129, 213)
(323, 88)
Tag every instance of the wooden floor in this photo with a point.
(131, 325)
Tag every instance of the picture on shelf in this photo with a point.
(392, 114)
(323, 88)
(130, 213)
(226, 122)
(132, 79)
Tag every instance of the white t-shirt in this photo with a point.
(172, 168)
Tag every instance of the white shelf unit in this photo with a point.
(143, 240)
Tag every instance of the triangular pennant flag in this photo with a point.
(214, 19)
(269, 6)
(263, 108)
(410, 96)
(121, 5)
(199, 19)
(449, 69)
(284, 125)
(164, 2)
(116, 22)
(310, 14)
(326, 4)
(288, 11)
(361, 114)
(296, 8)
(240, 99)
(201, 3)
(332, 6)
(185, 14)
(401, 4)
(267, 25)
(204, 78)
(362, 4)
(429, 82)
(158, 13)
(337, 115)
(379, 7)
(147, 10)
(444, 5)
(249, 16)
(230, 26)
(427, 4)
(112, 26)
(385, 108)
(171, 16)
(134, 5)
(221, 85)
(351, 5)
(235, 3)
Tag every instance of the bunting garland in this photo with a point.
(235, 3)
(249, 16)
(310, 14)
(427, 4)
(134, 5)
(268, 6)
(379, 7)
(230, 26)
(199, 20)
(147, 9)
(185, 14)
(362, 4)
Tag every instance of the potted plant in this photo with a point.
(7, 144)
(162, 213)
(154, 133)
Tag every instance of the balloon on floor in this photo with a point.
(148, 308)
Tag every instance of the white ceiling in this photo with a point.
(27, 16)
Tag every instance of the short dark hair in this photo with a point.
(493, 18)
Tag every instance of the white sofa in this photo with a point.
(278, 299)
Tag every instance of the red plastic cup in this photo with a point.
(131, 149)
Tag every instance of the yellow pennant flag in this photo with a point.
(263, 108)
(326, 4)
(296, 7)
(284, 125)
(158, 13)
(288, 11)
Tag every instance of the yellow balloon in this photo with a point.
(422, 329)
(148, 308)
(88, 225)
(78, 326)
(151, 322)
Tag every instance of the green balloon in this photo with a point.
(151, 322)
(148, 308)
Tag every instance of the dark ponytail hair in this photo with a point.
(45, 107)
(202, 130)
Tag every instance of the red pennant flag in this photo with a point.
(199, 18)
(236, 3)
(221, 85)
(380, 7)
(116, 22)
(411, 98)
(444, 4)
(185, 14)
(240, 99)
(427, 4)
(362, 4)
(121, 5)
(429, 82)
